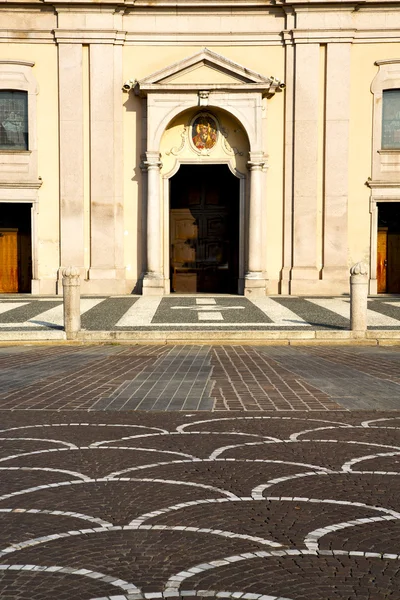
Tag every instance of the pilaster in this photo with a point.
(337, 115)
(288, 158)
(71, 155)
(105, 174)
(305, 271)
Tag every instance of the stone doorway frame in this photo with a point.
(9, 198)
(385, 192)
(242, 94)
(243, 189)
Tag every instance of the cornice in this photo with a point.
(79, 36)
(22, 63)
(202, 5)
(299, 4)
(382, 184)
(21, 185)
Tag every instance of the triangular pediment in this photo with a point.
(207, 69)
(204, 73)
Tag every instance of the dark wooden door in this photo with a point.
(204, 231)
(393, 263)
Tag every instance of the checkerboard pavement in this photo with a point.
(195, 313)
(274, 475)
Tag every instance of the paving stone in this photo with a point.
(300, 504)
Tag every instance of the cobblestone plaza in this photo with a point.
(132, 472)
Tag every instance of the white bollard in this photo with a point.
(72, 301)
(358, 298)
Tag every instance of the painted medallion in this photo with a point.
(204, 132)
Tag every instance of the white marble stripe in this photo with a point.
(279, 315)
(55, 316)
(175, 581)
(311, 541)
(205, 301)
(120, 583)
(6, 306)
(341, 306)
(210, 316)
(24, 325)
(140, 313)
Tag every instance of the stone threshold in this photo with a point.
(243, 337)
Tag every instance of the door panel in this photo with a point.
(393, 260)
(8, 261)
(381, 269)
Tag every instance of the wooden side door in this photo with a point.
(8, 260)
(393, 263)
(382, 262)
(184, 233)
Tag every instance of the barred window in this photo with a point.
(13, 120)
(391, 119)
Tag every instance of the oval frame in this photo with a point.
(205, 145)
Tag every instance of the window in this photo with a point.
(13, 120)
(391, 119)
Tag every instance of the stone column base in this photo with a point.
(153, 285)
(254, 286)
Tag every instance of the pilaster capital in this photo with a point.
(257, 161)
(151, 161)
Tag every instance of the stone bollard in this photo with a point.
(358, 298)
(72, 301)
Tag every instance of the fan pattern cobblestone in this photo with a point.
(134, 505)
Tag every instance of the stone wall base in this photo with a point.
(316, 287)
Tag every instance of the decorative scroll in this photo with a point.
(176, 150)
(232, 150)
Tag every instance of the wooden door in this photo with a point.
(184, 235)
(381, 268)
(204, 233)
(393, 263)
(8, 260)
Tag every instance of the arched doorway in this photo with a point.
(233, 100)
(204, 229)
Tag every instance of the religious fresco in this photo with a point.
(204, 132)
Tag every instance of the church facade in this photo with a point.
(199, 146)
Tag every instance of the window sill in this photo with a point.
(4, 151)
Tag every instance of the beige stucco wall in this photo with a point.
(363, 71)
(45, 72)
(155, 39)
